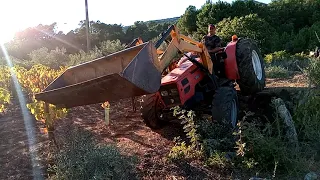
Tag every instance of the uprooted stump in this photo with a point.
(285, 115)
(274, 104)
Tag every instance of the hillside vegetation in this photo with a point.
(282, 25)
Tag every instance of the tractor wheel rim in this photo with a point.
(256, 65)
(234, 113)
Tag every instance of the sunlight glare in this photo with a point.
(28, 123)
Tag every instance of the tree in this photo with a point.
(204, 18)
(139, 29)
(250, 26)
(187, 23)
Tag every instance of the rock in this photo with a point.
(311, 176)
(256, 178)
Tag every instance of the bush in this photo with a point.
(81, 158)
(307, 120)
(250, 26)
(277, 72)
(286, 60)
(206, 140)
(261, 144)
(53, 59)
(271, 145)
(15, 61)
(182, 150)
(4, 99)
(314, 72)
(109, 47)
(82, 57)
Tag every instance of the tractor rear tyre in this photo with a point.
(250, 67)
(151, 111)
(225, 107)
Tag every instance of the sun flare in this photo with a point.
(7, 33)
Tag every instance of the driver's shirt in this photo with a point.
(211, 42)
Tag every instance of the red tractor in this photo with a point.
(195, 86)
(143, 69)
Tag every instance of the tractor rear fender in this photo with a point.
(231, 67)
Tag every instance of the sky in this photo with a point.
(17, 15)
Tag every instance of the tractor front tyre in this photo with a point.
(225, 107)
(151, 111)
(250, 67)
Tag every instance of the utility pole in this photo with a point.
(87, 27)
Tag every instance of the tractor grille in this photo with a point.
(170, 95)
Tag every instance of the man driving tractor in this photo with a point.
(213, 45)
(212, 41)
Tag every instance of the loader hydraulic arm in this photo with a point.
(135, 42)
(181, 43)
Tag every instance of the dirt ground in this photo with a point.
(126, 129)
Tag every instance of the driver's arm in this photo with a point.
(217, 49)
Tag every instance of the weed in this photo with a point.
(82, 158)
(314, 72)
(286, 60)
(205, 138)
(277, 72)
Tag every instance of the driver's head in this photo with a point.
(212, 29)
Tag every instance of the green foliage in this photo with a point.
(187, 23)
(54, 58)
(281, 25)
(293, 12)
(288, 61)
(314, 72)
(266, 147)
(218, 159)
(5, 87)
(82, 56)
(181, 150)
(4, 99)
(205, 140)
(82, 158)
(307, 119)
(5, 77)
(249, 26)
(277, 72)
(14, 61)
(204, 18)
(262, 144)
(109, 47)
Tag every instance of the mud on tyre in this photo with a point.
(151, 111)
(225, 107)
(250, 66)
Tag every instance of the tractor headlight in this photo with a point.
(174, 91)
(164, 93)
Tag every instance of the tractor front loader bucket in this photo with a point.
(131, 72)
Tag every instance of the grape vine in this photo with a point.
(34, 81)
(4, 99)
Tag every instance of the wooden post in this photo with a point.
(106, 107)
